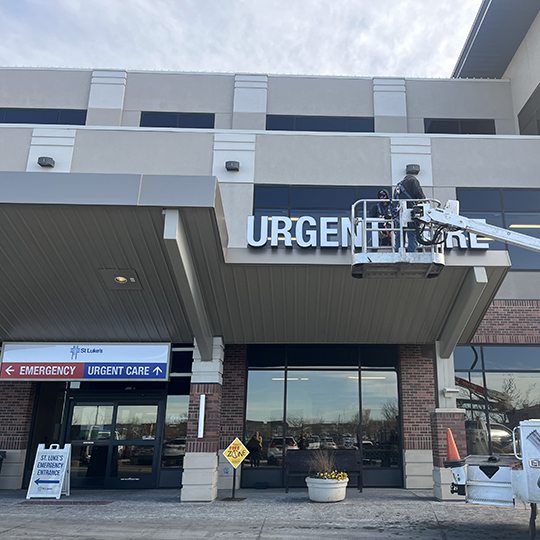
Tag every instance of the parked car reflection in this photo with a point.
(173, 453)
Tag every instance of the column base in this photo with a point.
(418, 465)
(200, 477)
(12, 469)
(442, 479)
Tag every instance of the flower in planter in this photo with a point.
(323, 463)
(333, 475)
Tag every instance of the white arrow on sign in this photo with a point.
(9, 369)
(157, 370)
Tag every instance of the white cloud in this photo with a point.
(419, 38)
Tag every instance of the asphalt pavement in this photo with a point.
(268, 514)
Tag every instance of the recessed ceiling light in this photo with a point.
(120, 279)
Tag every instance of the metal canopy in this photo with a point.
(51, 288)
(497, 32)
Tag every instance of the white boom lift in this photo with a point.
(379, 251)
(379, 243)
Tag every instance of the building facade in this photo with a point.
(204, 219)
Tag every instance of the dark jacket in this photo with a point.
(379, 210)
(409, 188)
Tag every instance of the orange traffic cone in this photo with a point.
(452, 453)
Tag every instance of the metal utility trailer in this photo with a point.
(503, 480)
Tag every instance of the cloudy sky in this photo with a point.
(413, 38)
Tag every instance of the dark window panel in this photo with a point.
(479, 199)
(317, 214)
(266, 355)
(522, 358)
(371, 192)
(521, 199)
(456, 126)
(177, 120)
(321, 123)
(322, 197)
(196, 120)
(279, 122)
(360, 125)
(31, 116)
(181, 361)
(530, 114)
(272, 196)
(531, 128)
(477, 127)
(441, 126)
(464, 359)
(72, 117)
(379, 356)
(159, 119)
(179, 386)
(322, 355)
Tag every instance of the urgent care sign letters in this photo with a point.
(83, 361)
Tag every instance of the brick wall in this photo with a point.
(417, 393)
(440, 422)
(210, 441)
(234, 394)
(16, 407)
(510, 321)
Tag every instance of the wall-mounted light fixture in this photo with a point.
(45, 161)
(232, 166)
(412, 169)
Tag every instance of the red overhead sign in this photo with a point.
(38, 370)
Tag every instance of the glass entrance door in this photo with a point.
(114, 444)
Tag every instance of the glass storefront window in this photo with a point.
(136, 422)
(512, 397)
(174, 434)
(322, 410)
(91, 422)
(264, 415)
(380, 419)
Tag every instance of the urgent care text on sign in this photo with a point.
(83, 361)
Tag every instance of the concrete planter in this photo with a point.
(321, 490)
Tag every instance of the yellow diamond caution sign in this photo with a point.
(236, 452)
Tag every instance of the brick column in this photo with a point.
(233, 402)
(16, 407)
(212, 418)
(417, 394)
(200, 477)
(233, 406)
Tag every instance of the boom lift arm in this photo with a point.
(449, 218)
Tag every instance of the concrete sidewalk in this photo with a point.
(263, 515)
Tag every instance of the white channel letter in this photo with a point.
(285, 230)
(326, 231)
(311, 234)
(346, 234)
(459, 236)
(251, 231)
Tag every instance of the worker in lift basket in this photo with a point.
(382, 210)
(409, 188)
